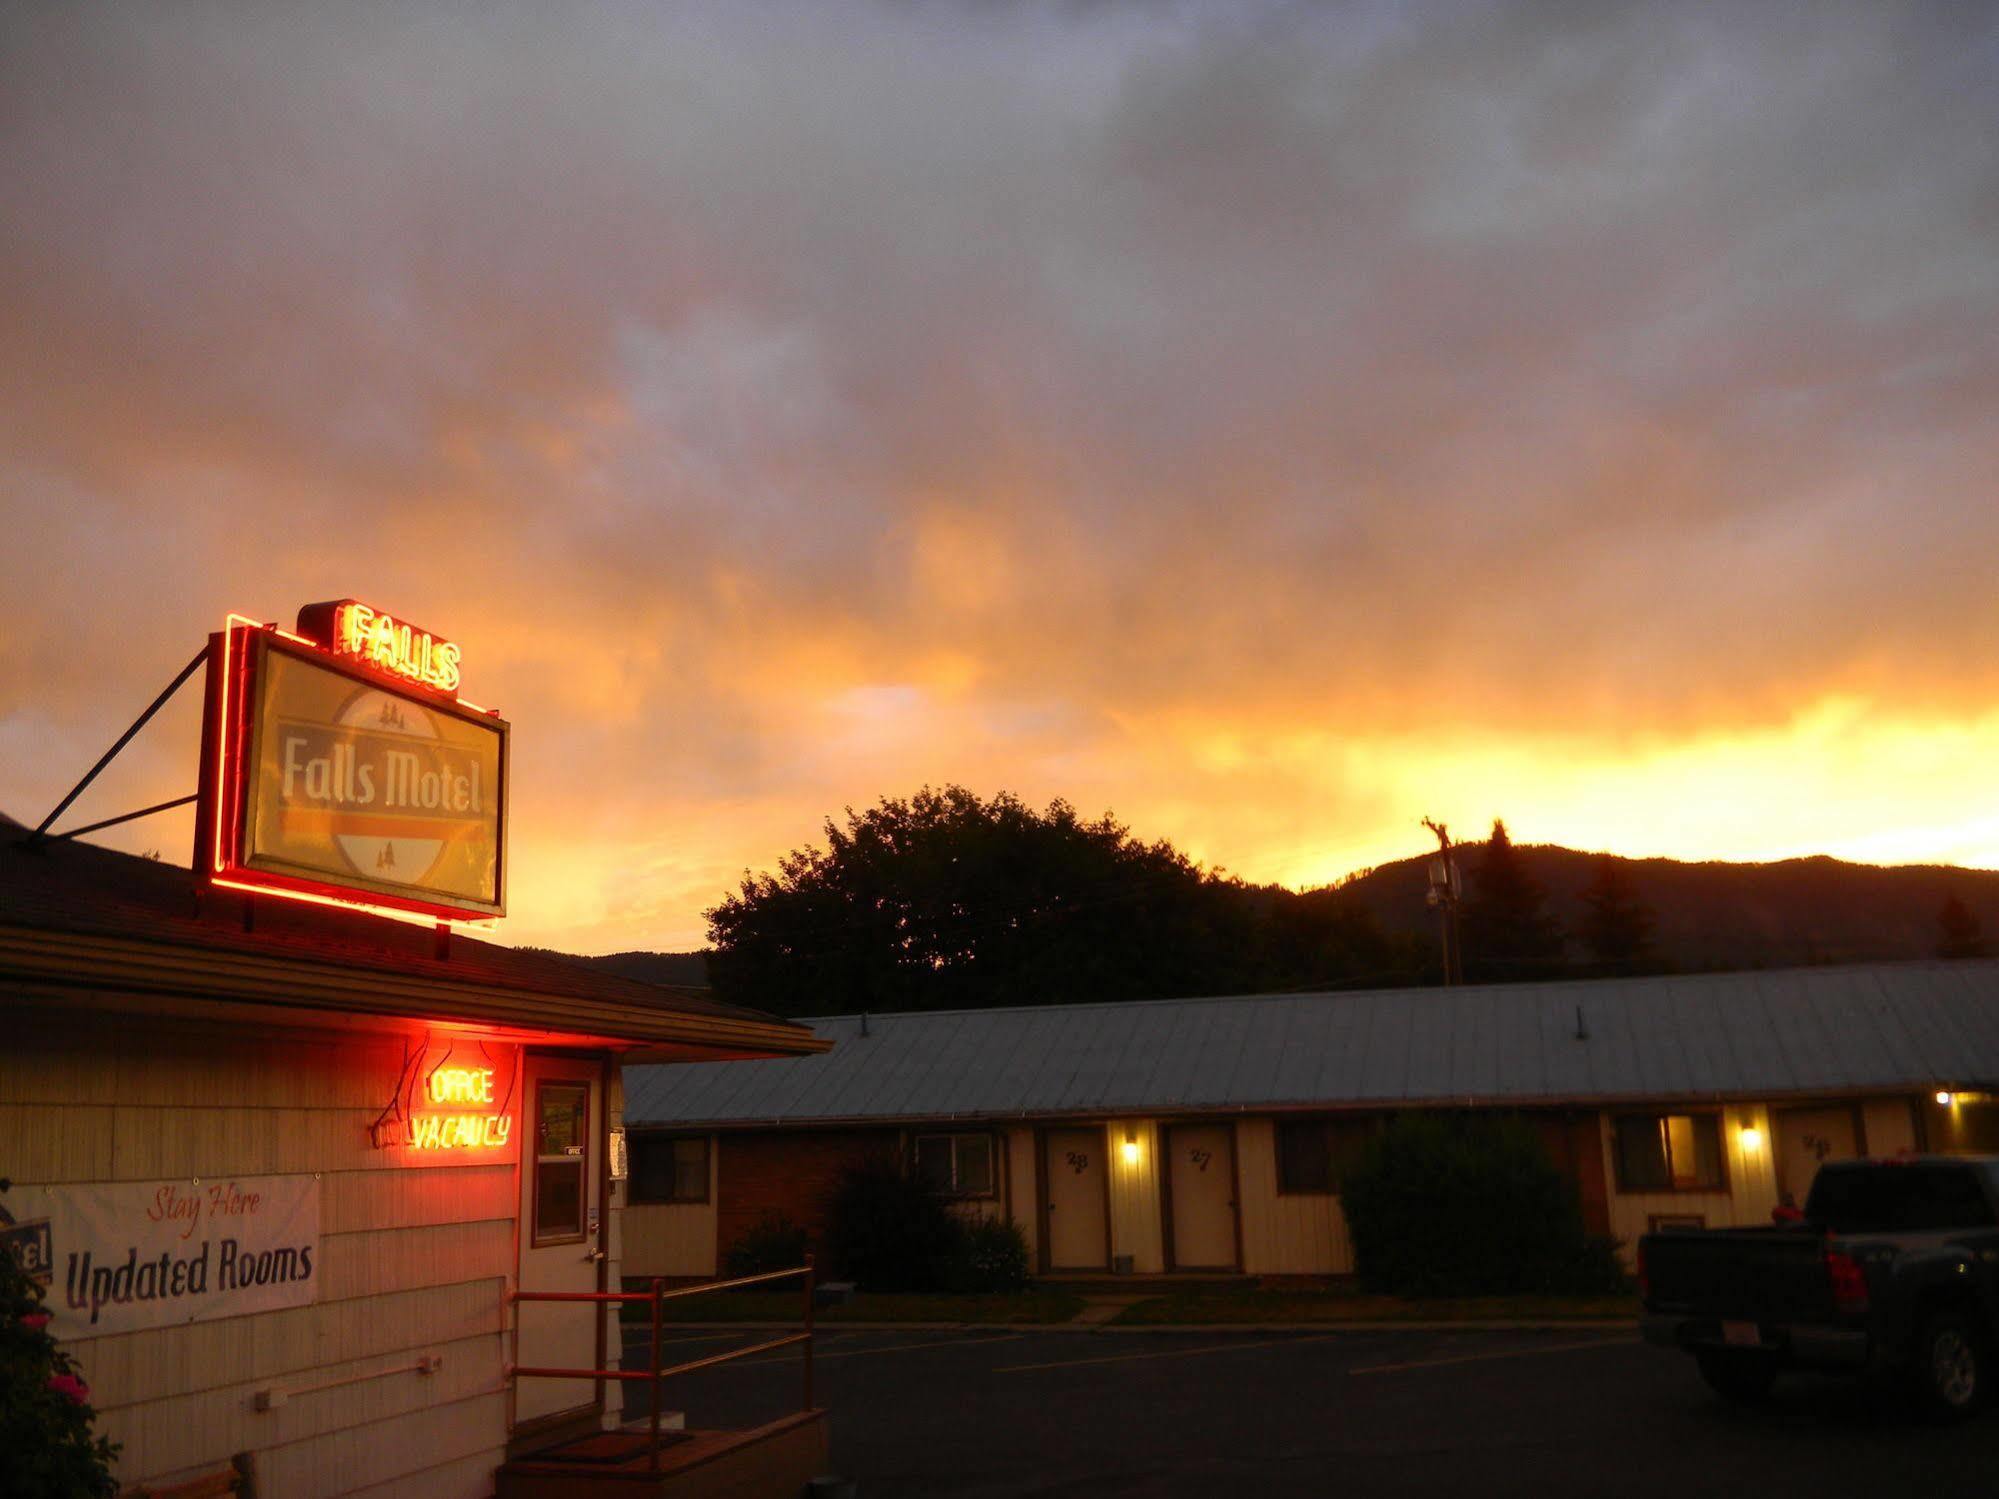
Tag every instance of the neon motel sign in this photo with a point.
(340, 766)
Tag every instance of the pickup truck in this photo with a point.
(1892, 1270)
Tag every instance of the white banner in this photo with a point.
(150, 1254)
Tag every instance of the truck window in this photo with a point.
(1952, 1198)
(1875, 1199)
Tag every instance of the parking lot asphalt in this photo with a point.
(990, 1412)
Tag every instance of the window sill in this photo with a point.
(1721, 1189)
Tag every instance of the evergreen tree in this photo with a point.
(1617, 926)
(1508, 932)
(1959, 933)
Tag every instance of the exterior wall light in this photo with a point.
(1751, 1137)
(1131, 1147)
(1946, 1099)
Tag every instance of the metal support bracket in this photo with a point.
(111, 754)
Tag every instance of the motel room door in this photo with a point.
(1200, 1184)
(1808, 1137)
(1078, 1207)
(561, 1227)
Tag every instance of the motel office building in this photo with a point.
(284, 1167)
(1207, 1135)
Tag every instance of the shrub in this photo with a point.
(773, 1243)
(991, 1256)
(887, 1231)
(46, 1445)
(1469, 1206)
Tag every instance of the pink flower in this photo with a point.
(70, 1387)
(35, 1321)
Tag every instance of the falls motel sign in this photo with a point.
(339, 764)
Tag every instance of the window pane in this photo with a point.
(975, 1164)
(652, 1168)
(933, 1160)
(1641, 1154)
(1707, 1151)
(1302, 1157)
(1680, 1150)
(558, 1199)
(565, 1110)
(690, 1169)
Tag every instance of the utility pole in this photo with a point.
(1446, 889)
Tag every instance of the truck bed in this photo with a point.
(1759, 1274)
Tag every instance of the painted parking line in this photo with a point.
(789, 1357)
(1165, 1353)
(1480, 1358)
(639, 1338)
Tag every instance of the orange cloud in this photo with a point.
(1273, 425)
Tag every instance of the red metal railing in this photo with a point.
(657, 1297)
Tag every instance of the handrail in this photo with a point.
(657, 1296)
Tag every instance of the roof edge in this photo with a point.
(136, 966)
(1609, 1102)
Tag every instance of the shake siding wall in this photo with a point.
(1298, 1234)
(416, 1254)
(674, 1239)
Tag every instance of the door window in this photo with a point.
(561, 1161)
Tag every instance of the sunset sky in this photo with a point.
(1273, 424)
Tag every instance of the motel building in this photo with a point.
(1206, 1137)
(294, 1154)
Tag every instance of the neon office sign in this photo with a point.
(462, 1116)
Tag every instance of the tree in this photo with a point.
(1616, 926)
(944, 900)
(1508, 933)
(1959, 933)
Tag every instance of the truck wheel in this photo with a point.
(1738, 1374)
(1950, 1366)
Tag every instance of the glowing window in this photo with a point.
(1669, 1153)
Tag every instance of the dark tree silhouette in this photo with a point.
(1508, 932)
(1616, 925)
(945, 901)
(1959, 933)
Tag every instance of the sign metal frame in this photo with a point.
(229, 749)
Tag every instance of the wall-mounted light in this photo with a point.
(1131, 1147)
(1946, 1099)
(1751, 1137)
